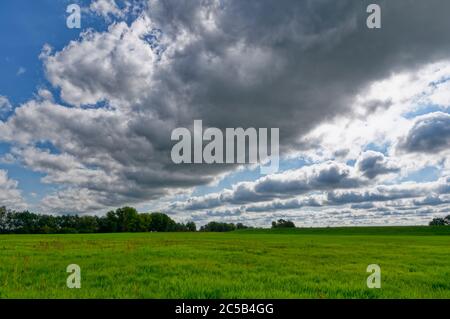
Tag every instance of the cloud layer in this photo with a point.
(310, 68)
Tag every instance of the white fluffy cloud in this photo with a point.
(106, 8)
(115, 66)
(441, 94)
(5, 106)
(10, 194)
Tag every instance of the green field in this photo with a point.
(301, 263)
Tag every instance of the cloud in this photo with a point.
(277, 205)
(119, 67)
(371, 164)
(75, 200)
(106, 8)
(10, 195)
(390, 199)
(5, 106)
(323, 176)
(364, 206)
(429, 134)
(318, 177)
(21, 71)
(293, 65)
(441, 94)
(431, 200)
(97, 152)
(383, 193)
(224, 213)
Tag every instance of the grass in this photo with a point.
(301, 263)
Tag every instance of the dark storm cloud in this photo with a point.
(299, 62)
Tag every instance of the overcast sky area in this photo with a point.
(86, 114)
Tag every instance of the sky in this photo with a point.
(86, 115)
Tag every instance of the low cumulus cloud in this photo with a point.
(388, 192)
(429, 134)
(372, 164)
(10, 194)
(319, 177)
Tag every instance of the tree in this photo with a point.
(46, 224)
(438, 222)
(145, 222)
(88, 224)
(68, 224)
(125, 219)
(26, 223)
(281, 223)
(447, 220)
(111, 224)
(161, 223)
(241, 226)
(3, 220)
(128, 220)
(218, 227)
(191, 226)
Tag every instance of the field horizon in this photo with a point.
(255, 263)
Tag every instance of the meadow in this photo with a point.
(299, 263)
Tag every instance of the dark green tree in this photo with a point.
(128, 220)
(145, 222)
(438, 222)
(281, 223)
(191, 226)
(125, 219)
(218, 227)
(3, 220)
(161, 223)
(88, 224)
(447, 220)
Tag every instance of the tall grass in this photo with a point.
(304, 263)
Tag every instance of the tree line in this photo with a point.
(125, 219)
(222, 227)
